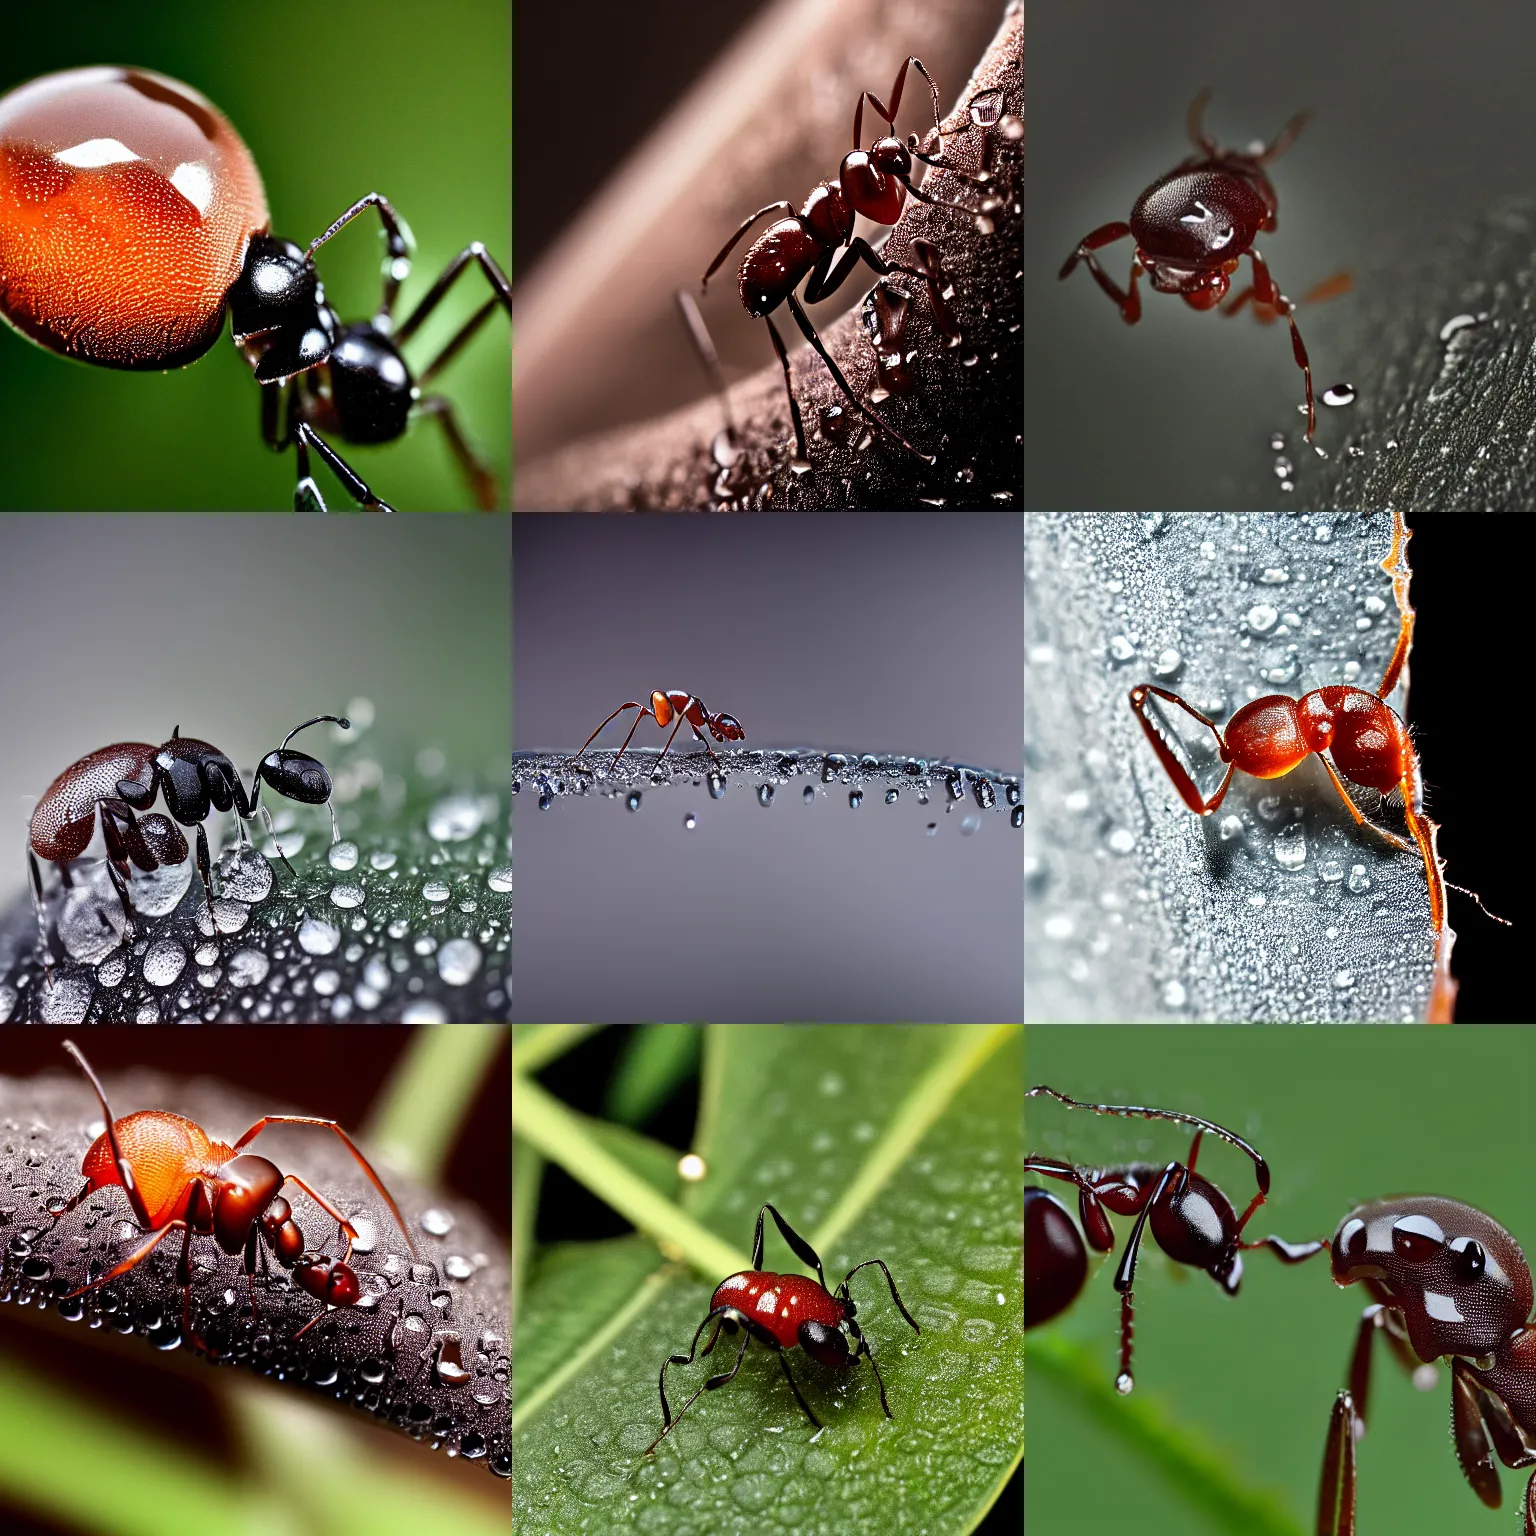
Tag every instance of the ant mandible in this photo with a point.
(664, 706)
(120, 783)
(1364, 738)
(1192, 1221)
(1192, 226)
(874, 182)
(132, 217)
(178, 1178)
(781, 1312)
(1447, 1281)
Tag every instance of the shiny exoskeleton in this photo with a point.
(1192, 226)
(1448, 1282)
(782, 1312)
(874, 182)
(676, 704)
(120, 783)
(132, 217)
(1190, 1219)
(178, 1178)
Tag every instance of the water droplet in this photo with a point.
(716, 782)
(986, 107)
(1168, 664)
(969, 823)
(931, 830)
(423, 1011)
(342, 855)
(66, 1002)
(318, 937)
(436, 1222)
(244, 875)
(832, 764)
(1343, 980)
(1121, 840)
(1457, 323)
(690, 821)
(1174, 995)
(765, 795)
(346, 896)
(1276, 442)
(984, 793)
(1359, 881)
(456, 818)
(500, 878)
(1290, 847)
(247, 968)
(1284, 469)
(1339, 394)
(954, 786)
(1016, 816)
(892, 796)
(1261, 618)
(808, 794)
(1015, 794)
(164, 962)
(632, 800)
(1229, 827)
(327, 983)
(431, 761)
(1330, 871)
(1121, 649)
(458, 960)
(1123, 1384)
(546, 799)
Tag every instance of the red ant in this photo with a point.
(1447, 1281)
(1365, 738)
(1192, 1221)
(663, 707)
(177, 1177)
(780, 1312)
(874, 182)
(1192, 227)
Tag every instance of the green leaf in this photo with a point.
(901, 1143)
(659, 1057)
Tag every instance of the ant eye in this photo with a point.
(1417, 1238)
(1351, 1241)
(1471, 1260)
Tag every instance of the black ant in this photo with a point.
(177, 1177)
(1192, 1221)
(1193, 225)
(874, 182)
(121, 782)
(664, 706)
(782, 1312)
(1447, 1281)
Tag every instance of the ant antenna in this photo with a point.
(340, 720)
(1480, 907)
(704, 345)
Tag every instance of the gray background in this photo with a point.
(119, 627)
(865, 632)
(1422, 120)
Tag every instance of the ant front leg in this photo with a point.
(477, 474)
(1336, 1490)
(1188, 790)
(306, 494)
(1125, 1280)
(1473, 1416)
(1266, 292)
(397, 238)
(1127, 302)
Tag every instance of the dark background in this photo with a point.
(872, 633)
(334, 101)
(1422, 120)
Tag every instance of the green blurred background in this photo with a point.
(335, 99)
(1342, 1116)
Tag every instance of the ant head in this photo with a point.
(725, 727)
(826, 1346)
(278, 311)
(892, 156)
(297, 775)
(332, 1281)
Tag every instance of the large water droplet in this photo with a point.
(456, 818)
(342, 855)
(458, 960)
(318, 937)
(1290, 847)
(164, 962)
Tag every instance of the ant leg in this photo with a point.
(1396, 566)
(1424, 834)
(135, 1258)
(1470, 1434)
(896, 90)
(724, 1314)
(704, 346)
(1196, 127)
(1336, 1490)
(351, 1146)
(1125, 1282)
(306, 494)
(869, 1354)
(1354, 810)
(1266, 292)
(306, 436)
(742, 228)
(895, 1295)
(799, 1398)
(42, 917)
(501, 291)
(1188, 790)
(801, 1249)
(397, 238)
(482, 483)
(803, 320)
(802, 456)
(124, 1170)
(204, 869)
(677, 726)
(1128, 301)
(630, 704)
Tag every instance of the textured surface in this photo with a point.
(395, 1357)
(1275, 908)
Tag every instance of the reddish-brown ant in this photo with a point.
(874, 182)
(1364, 738)
(1192, 1221)
(1447, 1281)
(178, 1178)
(1192, 226)
(664, 706)
(782, 1312)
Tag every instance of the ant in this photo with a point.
(1447, 1281)
(674, 702)
(177, 1178)
(874, 182)
(132, 216)
(780, 1312)
(1192, 1221)
(121, 782)
(1192, 227)
(1352, 732)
